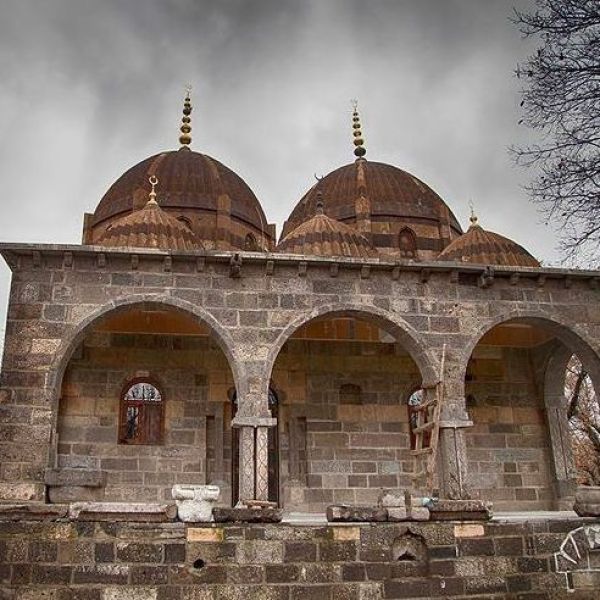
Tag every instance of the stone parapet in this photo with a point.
(171, 561)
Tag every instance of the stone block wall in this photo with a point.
(189, 369)
(509, 446)
(67, 560)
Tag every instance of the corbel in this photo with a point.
(269, 267)
(541, 280)
(36, 257)
(235, 266)
(200, 264)
(594, 283)
(486, 279)
(396, 273)
(454, 276)
(101, 260)
(334, 269)
(425, 275)
(68, 260)
(135, 262)
(168, 264)
(514, 278)
(365, 272)
(302, 268)
(568, 282)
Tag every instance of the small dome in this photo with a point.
(150, 227)
(387, 200)
(324, 236)
(193, 187)
(479, 246)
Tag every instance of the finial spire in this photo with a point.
(359, 150)
(185, 139)
(153, 179)
(473, 218)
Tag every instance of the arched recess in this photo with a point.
(514, 373)
(346, 373)
(144, 339)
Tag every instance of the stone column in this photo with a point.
(262, 463)
(246, 464)
(558, 428)
(453, 449)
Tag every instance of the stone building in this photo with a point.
(284, 371)
(181, 343)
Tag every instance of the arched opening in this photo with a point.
(141, 407)
(519, 452)
(272, 445)
(344, 427)
(582, 405)
(407, 243)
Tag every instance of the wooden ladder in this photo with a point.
(428, 421)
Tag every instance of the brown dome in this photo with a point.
(150, 227)
(387, 200)
(193, 187)
(324, 236)
(487, 248)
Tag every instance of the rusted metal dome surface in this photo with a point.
(190, 182)
(394, 199)
(150, 227)
(324, 236)
(488, 248)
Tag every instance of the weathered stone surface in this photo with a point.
(247, 515)
(587, 501)
(195, 502)
(76, 477)
(37, 511)
(356, 514)
(460, 510)
(68, 494)
(120, 511)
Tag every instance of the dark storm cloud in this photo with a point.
(89, 88)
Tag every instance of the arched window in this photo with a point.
(250, 243)
(185, 221)
(415, 400)
(141, 415)
(350, 394)
(407, 243)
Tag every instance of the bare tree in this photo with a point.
(561, 101)
(583, 412)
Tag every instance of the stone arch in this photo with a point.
(395, 326)
(73, 338)
(572, 337)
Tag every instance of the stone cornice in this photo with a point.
(11, 251)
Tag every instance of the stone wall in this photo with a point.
(59, 293)
(509, 446)
(134, 561)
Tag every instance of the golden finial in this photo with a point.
(153, 179)
(473, 218)
(185, 139)
(359, 150)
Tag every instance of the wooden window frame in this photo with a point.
(123, 409)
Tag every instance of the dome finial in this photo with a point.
(359, 150)
(473, 218)
(153, 179)
(185, 139)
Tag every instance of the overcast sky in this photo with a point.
(89, 88)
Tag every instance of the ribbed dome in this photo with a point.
(324, 236)
(193, 187)
(389, 198)
(150, 227)
(488, 248)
